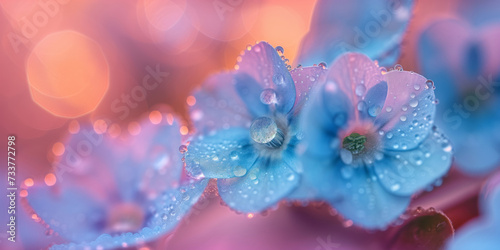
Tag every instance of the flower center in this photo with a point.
(354, 143)
(125, 217)
(265, 131)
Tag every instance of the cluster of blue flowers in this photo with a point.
(356, 135)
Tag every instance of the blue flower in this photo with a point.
(483, 232)
(118, 192)
(247, 129)
(375, 28)
(370, 143)
(466, 70)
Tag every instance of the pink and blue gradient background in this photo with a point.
(117, 40)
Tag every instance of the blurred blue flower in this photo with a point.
(370, 142)
(483, 232)
(118, 192)
(466, 70)
(247, 128)
(375, 28)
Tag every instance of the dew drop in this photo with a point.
(361, 106)
(346, 156)
(395, 187)
(398, 67)
(183, 149)
(322, 65)
(374, 110)
(360, 90)
(416, 86)
(280, 50)
(402, 118)
(268, 96)
(278, 79)
(234, 155)
(388, 109)
(413, 103)
(429, 84)
(239, 171)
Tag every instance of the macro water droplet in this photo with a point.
(388, 109)
(239, 171)
(374, 110)
(268, 96)
(322, 65)
(429, 84)
(234, 155)
(280, 50)
(414, 103)
(360, 90)
(416, 86)
(395, 187)
(389, 135)
(290, 177)
(278, 79)
(361, 106)
(183, 149)
(346, 156)
(398, 67)
(402, 118)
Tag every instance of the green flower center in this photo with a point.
(354, 143)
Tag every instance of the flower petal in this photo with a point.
(315, 180)
(263, 63)
(363, 200)
(170, 208)
(263, 186)
(406, 172)
(441, 58)
(71, 212)
(355, 74)
(326, 112)
(222, 154)
(371, 27)
(218, 105)
(408, 114)
(305, 79)
(250, 92)
(480, 234)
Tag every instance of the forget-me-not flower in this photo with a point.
(119, 192)
(247, 129)
(463, 61)
(370, 143)
(375, 28)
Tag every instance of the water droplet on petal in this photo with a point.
(374, 110)
(360, 89)
(398, 67)
(429, 84)
(239, 171)
(414, 103)
(322, 65)
(395, 187)
(268, 96)
(278, 79)
(234, 155)
(416, 86)
(280, 50)
(402, 118)
(346, 156)
(361, 106)
(183, 149)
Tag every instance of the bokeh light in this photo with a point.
(68, 74)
